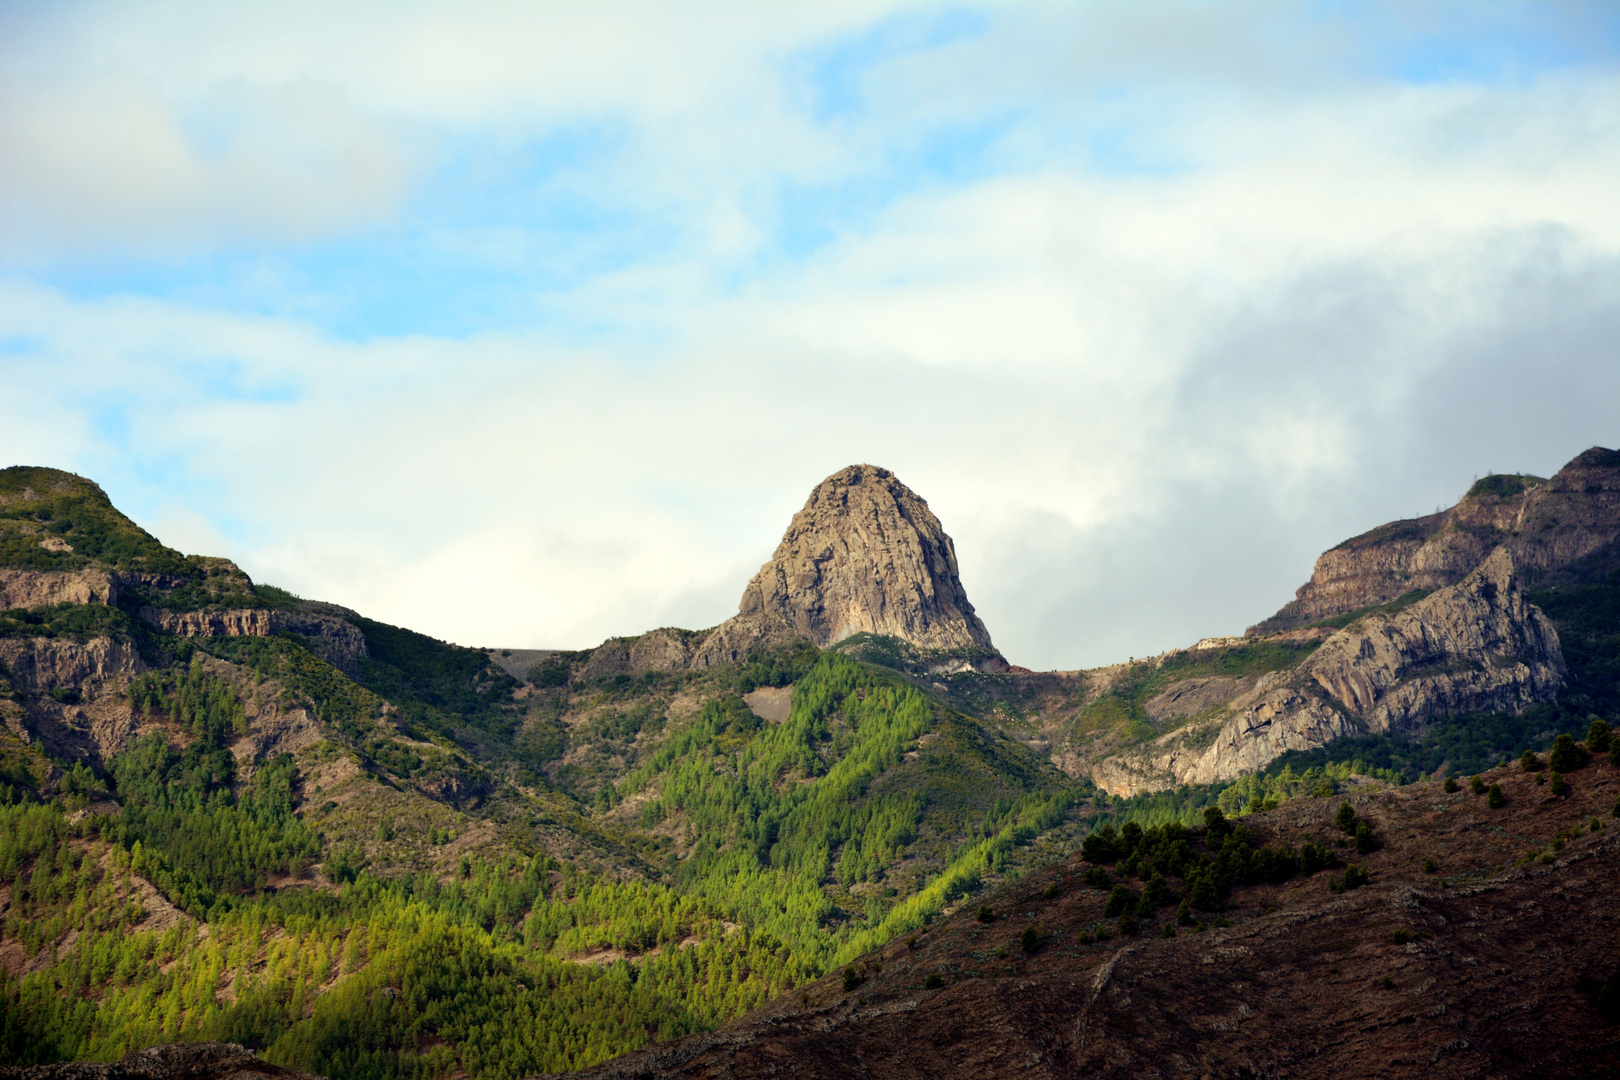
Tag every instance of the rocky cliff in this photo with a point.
(1476, 646)
(865, 555)
(1564, 528)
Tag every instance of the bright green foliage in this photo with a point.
(76, 512)
(777, 810)
(428, 977)
(190, 831)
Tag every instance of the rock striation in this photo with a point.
(1476, 646)
(865, 555)
(1564, 528)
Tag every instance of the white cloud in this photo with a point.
(1141, 398)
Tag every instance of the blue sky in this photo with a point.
(530, 324)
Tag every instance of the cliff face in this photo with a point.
(865, 555)
(1476, 646)
(1554, 529)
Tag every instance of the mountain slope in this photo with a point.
(1482, 945)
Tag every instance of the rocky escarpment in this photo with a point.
(1477, 646)
(865, 555)
(1565, 528)
(332, 638)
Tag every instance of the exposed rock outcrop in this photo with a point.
(39, 588)
(43, 664)
(1476, 646)
(338, 642)
(666, 649)
(1551, 528)
(865, 555)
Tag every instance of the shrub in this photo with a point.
(1599, 737)
(1051, 890)
(1496, 800)
(1127, 924)
(1451, 786)
(1121, 900)
(1366, 843)
(1401, 937)
(1184, 915)
(1029, 940)
(1099, 879)
(1555, 782)
(1529, 762)
(1085, 937)
(1387, 983)
(1616, 811)
(1428, 866)
(933, 982)
(1346, 818)
(1476, 785)
(851, 980)
(1355, 877)
(1168, 931)
(1540, 778)
(1565, 756)
(986, 913)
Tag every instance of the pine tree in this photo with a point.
(1346, 818)
(1565, 756)
(1599, 737)
(1496, 800)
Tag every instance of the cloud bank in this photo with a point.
(527, 325)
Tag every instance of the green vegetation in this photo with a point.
(1123, 704)
(1400, 603)
(52, 520)
(1503, 485)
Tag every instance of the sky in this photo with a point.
(531, 324)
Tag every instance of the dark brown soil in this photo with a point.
(1487, 967)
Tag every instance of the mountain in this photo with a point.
(231, 814)
(1437, 934)
(864, 556)
(864, 561)
(1566, 529)
(1503, 606)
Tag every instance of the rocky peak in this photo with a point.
(865, 555)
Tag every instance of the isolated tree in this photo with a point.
(1599, 737)
(1451, 786)
(1365, 841)
(1496, 800)
(1556, 784)
(986, 913)
(1029, 940)
(1346, 817)
(1565, 756)
(1476, 785)
(1529, 762)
